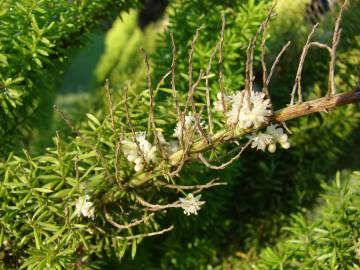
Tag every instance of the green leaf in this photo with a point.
(93, 119)
(43, 190)
(133, 248)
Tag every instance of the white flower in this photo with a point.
(278, 136)
(248, 112)
(146, 153)
(188, 125)
(270, 138)
(161, 138)
(191, 204)
(260, 141)
(84, 207)
(218, 105)
(172, 147)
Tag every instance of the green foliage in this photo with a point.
(39, 226)
(122, 58)
(261, 193)
(328, 240)
(243, 19)
(35, 38)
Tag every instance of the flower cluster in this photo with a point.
(84, 207)
(270, 138)
(245, 109)
(140, 152)
(183, 129)
(191, 204)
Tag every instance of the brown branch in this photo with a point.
(276, 61)
(157, 207)
(126, 226)
(144, 234)
(129, 120)
(318, 105)
(210, 184)
(208, 101)
(224, 165)
(335, 43)
(295, 111)
(297, 84)
(173, 86)
(221, 60)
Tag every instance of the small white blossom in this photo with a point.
(278, 136)
(147, 152)
(218, 105)
(191, 204)
(260, 141)
(270, 138)
(84, 207)
(170, 147)
(188, 125)
(244, 111)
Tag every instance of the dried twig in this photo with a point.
(210, 184)
(335, 43)
(62, 116)
(125, 226)
(224, 165)
(110, 104)
(152, 123)
(133, 133)
(144, 234)
(173, 86)
(221, 60)
(276, 61)
(297, 84)
(157, 207)
(208, 101)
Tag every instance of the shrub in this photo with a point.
(35, 39)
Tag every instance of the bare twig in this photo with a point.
(152, 123)
(62, 116)
(157, 207)
(221, 60)
(210, 184)
(335, 43)
(133, 133)
(110, 104)
(208, 101)
(224, 165)
(126, 226)
(276, 61)
(297, 84)
(144, 234)
(173, 86)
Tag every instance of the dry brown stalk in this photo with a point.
(144, 234)
(152, 124)
(125, 226)
(295, 111)
(173, 86)
(297, 84)
(208, 101)
(133, 133)
(221, 60)
(335, 42)
(276, 61)
(224, 165)
(210, 184)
